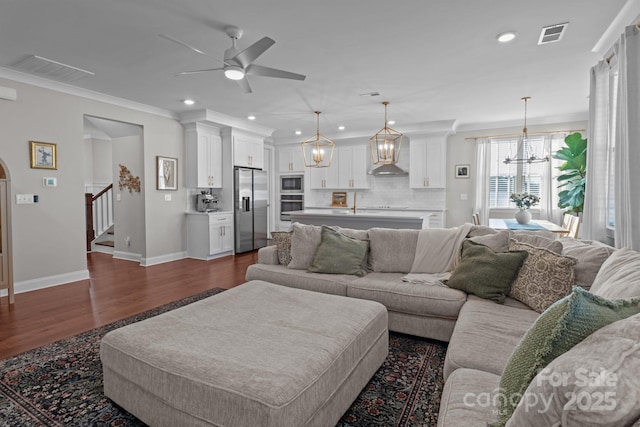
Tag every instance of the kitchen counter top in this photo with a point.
(208, 213)
(362, 220)
(391, 208)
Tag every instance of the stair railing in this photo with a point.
(99, 213)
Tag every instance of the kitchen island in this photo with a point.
(362, 220)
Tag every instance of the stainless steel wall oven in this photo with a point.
(288, 203)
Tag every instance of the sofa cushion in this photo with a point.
(544, 277)
(327, 283)
(283, 245)
(306, 239)
(468, 399)
(590, 255)
(599, 375)
(499, 242)
(392, 250)
(538, 241)
(339, 254)
(481, 230)
(304, 243)
(619, 276)
(486, 273)
(405, 297)
(557, 330)
(485, 335)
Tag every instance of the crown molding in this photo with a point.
(566, 118)
(83, 93)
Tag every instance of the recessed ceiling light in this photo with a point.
(189, 102)
(298, 132)
(340, 127)
(392, 122)
(506, 36)
(251, 117)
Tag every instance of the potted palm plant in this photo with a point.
(574, 171)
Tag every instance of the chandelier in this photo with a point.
(317, 151)
(385, 145)
(522, 142)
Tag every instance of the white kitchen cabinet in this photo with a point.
(427, 163)
(352, 167)
(203, 156)
(248, 151)
(209, 235)
(348, 170)
(290, 159)
(324, 178)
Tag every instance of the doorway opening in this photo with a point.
(6, 262)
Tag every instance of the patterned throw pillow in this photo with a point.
(283, 244)
(545, 277)
(556, 331)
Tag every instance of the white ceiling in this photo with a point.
(433, 60)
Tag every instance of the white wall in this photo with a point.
(461, 150)
(129, 236)
(49, 237)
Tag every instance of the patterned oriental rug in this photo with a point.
(60, 384)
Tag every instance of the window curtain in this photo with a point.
(483, 172)
(549, 209)
(594, 217)
(627, 153)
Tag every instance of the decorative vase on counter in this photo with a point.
(523, 216)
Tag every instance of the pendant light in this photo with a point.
(317, 151)
(385, 145)
(524, 138)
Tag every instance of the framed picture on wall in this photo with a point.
(462, 171)
(43, 155)
(167, 173)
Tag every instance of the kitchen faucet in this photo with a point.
(354, 202)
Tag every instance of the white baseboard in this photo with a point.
(147, 262)
(128, 256)
(49, 281)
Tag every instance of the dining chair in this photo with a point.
(476, 218)
(567, 219)
(574, 228)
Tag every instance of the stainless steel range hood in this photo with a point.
(388, 170)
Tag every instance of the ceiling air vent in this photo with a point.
(52, 69)
(552, 33)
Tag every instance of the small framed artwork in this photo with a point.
(43, 155)
(167, 173)
(462, 171)
(339, 199)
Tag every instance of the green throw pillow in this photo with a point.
(558, 329)
(486, 273)
(339, 254)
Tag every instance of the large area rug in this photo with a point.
(60, 384)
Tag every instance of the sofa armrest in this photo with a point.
(268, 255)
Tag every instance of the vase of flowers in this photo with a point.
(524, 201)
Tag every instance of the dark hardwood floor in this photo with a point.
(116, 289)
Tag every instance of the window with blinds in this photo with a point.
(514, 177)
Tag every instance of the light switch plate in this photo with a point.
(167, 197)
(463, 196)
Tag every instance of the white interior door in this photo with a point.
(4, 268)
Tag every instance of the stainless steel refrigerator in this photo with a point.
(250, 216)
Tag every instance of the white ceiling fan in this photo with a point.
(239, 64)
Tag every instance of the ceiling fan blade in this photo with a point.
(198, 71)
(244, 84)
(247, 56)
(259, 70)
(181, 43)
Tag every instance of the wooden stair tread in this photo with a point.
(109, 243)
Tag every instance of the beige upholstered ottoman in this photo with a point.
(256, 355)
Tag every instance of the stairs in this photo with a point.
(104, 243)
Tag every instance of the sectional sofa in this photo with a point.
(485, 336)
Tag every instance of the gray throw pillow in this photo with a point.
(339, 254)
(499, 242)
(304, 242)
(537, 240)
(486, 273)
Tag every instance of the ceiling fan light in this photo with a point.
(233, 72)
